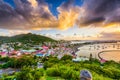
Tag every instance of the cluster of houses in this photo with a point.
(41, 51)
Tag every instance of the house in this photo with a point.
(80, 59)
(3, 54)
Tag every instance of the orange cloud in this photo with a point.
(112, 24)
(67, 19)
(33, 3)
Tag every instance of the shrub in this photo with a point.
(53, 72)
(66, 57)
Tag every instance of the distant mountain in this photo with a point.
(27, 38)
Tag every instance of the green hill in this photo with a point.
(27, 38)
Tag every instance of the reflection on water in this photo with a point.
(94, 49)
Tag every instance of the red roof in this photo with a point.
(103, 60)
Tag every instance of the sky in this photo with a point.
(61, 19)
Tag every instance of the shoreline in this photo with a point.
(103, 54)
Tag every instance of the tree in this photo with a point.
(90, 58)
(25, 74)
(37, 73)
(26, 61)
(66, 57)
(28, 73)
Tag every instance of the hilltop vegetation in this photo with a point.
(26, 38)
(62, 69)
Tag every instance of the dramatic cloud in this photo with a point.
(29, 14)
(35, 14)
(68, 14)
(8, 16)
(100, 12)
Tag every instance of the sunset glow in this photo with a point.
(49, 17)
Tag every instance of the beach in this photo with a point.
(94, 49)
(111, 55)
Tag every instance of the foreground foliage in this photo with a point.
(64, 69)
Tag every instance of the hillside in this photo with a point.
(26, 38)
